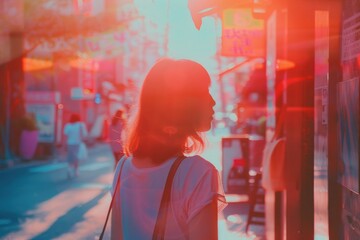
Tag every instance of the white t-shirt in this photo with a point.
(195, 184)
(75, 132)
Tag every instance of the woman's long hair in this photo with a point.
(166, 121)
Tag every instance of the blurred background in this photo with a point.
(90, 57)
(285, 135)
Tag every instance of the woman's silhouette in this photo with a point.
(175, 106)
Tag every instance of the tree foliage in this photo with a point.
(57, 24)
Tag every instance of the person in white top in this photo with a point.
(175, 106)
(75, 131)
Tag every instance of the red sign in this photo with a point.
(242, 35)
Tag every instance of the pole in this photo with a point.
(7, 116)
(166, 34)
(219, 64)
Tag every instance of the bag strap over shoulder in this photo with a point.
(160, 225)
(159, 230)
(112, 199)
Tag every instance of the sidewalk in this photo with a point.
(59, 155)
(232, 225)
(18, 162)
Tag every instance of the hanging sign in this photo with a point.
(242, 34)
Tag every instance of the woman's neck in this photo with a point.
(145, 162)
(148, 162)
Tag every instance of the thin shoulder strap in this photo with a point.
(112, 199)
(159, 230)
(279, 123)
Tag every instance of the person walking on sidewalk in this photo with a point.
(115, 135)
(76, 132)
(175, 107)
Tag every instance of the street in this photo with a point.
(39, 202)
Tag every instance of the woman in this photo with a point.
(175, 107)
(116, 128)
(75, 131)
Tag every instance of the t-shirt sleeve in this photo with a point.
(205, 190)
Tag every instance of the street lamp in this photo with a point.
(203, 8)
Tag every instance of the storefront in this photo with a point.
(321, 98)
(313, 102)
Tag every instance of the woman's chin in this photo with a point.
(205, 128)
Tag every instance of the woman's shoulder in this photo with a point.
(197, 164)
(194, 172)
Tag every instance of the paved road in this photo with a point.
(39, 202)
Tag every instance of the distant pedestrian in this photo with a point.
(76, 132)
(175, 106)
(115, 134)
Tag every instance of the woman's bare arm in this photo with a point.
(204, 225)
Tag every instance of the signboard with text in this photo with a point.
(242, 35)
(45, 119)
